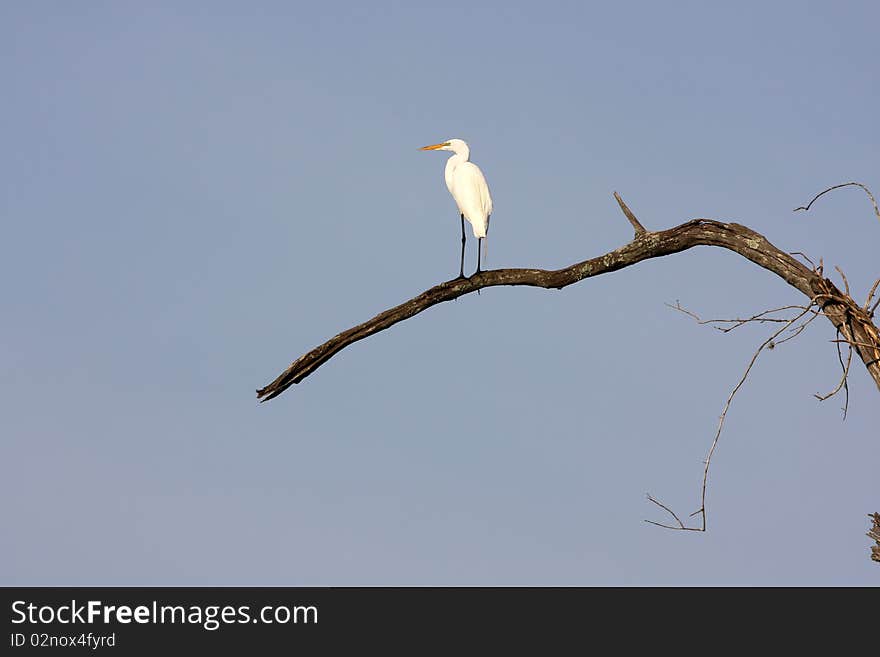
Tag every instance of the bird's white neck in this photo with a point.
(455, 160)
(461, 151)
(462, 154)
(451, 164)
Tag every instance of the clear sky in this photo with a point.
(194, 194)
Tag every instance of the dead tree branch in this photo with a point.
(845, 314)
(851, 321)
(769, 343)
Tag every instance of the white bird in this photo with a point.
(468, 187)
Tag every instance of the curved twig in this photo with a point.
(833, 187)
(843, 379)
(769, 343)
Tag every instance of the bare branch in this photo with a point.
(698, 232)
(848, 184)
(769, 343)
(852, 322)
(765, 344)
(637, 227)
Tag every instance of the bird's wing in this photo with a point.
(471, 192)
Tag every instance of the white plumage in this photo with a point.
(468, 187)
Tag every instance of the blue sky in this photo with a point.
(194, 195)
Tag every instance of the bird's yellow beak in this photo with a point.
(434, 147)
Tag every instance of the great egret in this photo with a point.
(468, 187)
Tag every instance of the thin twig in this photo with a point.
(855, 343)
(805, 257)
(679, 308)
(843, 379)
(871, 294)
(681, 525)
(758, 318)
(833, 187)
(797, 330)
(843, 276)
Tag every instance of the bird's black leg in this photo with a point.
(479, 244)
(461, 271)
